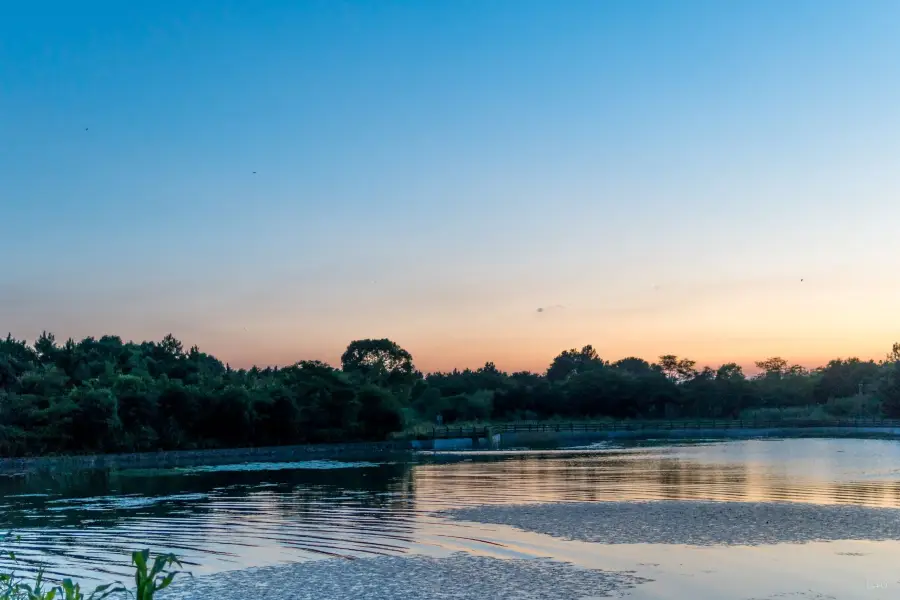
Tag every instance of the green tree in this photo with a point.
(843, 378)
(773, 367)
(677, 369)
(889, 389)
(379, 412)
(138, 406)
(572, 362)
(96, 419)
(379, 361)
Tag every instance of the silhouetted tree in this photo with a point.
(105, 395)
(571, 362)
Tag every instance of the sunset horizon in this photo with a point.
(695, 179)
(456, 357)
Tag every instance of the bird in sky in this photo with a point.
(545, 309)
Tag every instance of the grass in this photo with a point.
(150, 577)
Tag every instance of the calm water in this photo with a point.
(226, 517)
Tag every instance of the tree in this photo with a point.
(843, 378)
(772, 367)
(889, 390)
(232, 416)
(633, 365)
(677, 369)
(104, 394)
(171, 346)
(571, 362)
(701, 393)
(137, 405)
(178, 415)
(379, 361)
(730, 372)
(894, 355)
(379, 412)
(46, 348)
(96, 422)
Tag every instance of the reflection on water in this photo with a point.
(860, 472)
(86, 522)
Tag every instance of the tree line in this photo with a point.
(106, 395)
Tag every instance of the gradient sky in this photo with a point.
(435, 171)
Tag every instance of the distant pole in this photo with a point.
(860, 389)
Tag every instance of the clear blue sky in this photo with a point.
(435, 171)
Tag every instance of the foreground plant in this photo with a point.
(156, 578)
(149, 578)
(72, 591)
(17, 589)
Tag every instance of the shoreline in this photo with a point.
(172, 458)
(549, 435)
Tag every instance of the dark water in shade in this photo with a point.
(85, 522)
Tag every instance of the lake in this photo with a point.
(741, 519)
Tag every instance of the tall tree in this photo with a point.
(379, 361)
(772, 367)
(571, 362)
(677, 369)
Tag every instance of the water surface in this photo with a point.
(228, 517)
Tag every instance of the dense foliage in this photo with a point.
(105, 395)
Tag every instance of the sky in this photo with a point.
(272, 179)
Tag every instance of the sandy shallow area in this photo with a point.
(692, 522)
(643, 530)
(460, 576)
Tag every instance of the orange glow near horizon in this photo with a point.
(523, 354)
(447, 327)
(806, 324)
(538, 361)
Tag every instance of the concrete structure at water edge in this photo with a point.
(476, 442)
(472, 438)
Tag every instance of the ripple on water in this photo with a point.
(229, 517)
(277, 466)
(119, 502)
